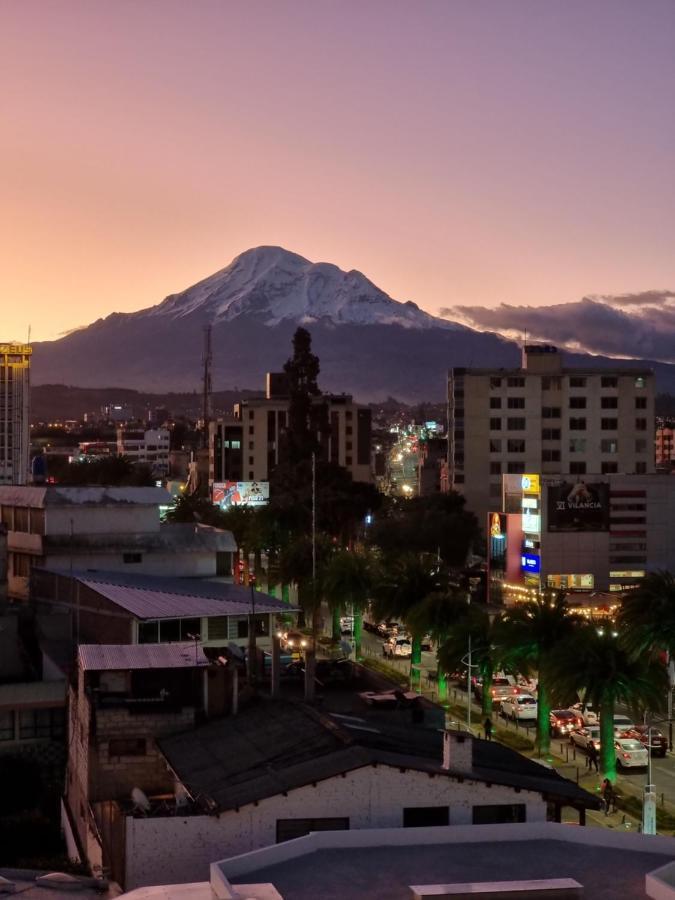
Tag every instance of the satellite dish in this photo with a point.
(139, 800)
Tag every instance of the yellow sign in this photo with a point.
(530, 484)
(495, 526)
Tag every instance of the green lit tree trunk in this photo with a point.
(442, 682)
(336, 630)
(543, 716)
(358, 631)
(607, 751)
(486, 700)
(286, 594)
(416, 662)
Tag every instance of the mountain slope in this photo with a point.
(369, 344)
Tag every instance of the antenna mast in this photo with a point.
(206, 386)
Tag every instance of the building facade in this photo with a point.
(149, 446)
(547, 419)
(14, 407)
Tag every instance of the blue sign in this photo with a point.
(530, 563)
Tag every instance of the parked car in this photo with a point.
(563, 721)
(584, 737)
(502, 686)
(659, 743)
(520, 708)
(399, 647)
(630, 753)
(588, 714)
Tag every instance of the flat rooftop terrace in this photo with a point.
(386, 873)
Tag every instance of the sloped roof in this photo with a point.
(119, 657)
(63, 495)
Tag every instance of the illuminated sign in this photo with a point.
(530, 563)
(635, 573)
(226, 494)
(530, 484)
(531, 523)
(495, 526)
(578, 506)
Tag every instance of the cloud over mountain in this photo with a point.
(626, 325)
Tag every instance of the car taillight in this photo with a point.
(626, 755)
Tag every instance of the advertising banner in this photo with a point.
(241, 493)
(578, 506)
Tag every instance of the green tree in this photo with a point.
(348, 580)
(529, 633)
(597, 663)
(647, 615)
(296, 567)
(438, 615)
(483, 631)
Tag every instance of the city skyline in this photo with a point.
(459, 155)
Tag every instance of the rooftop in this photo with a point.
(121, 657)
(57, 495)
(155, 597)
(276, 746)
(184, 537)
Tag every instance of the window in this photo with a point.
(7, 725)
(609, 402)
(640, 424)
(550, 434)
(498, 814)
(577, 468)
(495, 382)
(419, 816)
(495, 468)
(515, 424)
(218, 628)
(148, 632)
(550, 412)
(640, 403)
(609, 468)
(250, 460)
(551, 383)
(21, 564)
(132, 558)
(550, 455)
(609, 424)
(348, 460)
(287, 829)
(609, 381)
(495, 445)
(126, 747)
(495, 424)
(576, 382)
(577, 445)
(495, 402)
(609, 445)
(515, 381)
(251, 413)
(577, 424)
(640, 382)
(262, 625)
(251, 429)
(640, 468)
(349, 429)
(459, 412)
(640, 445)
(515, 468)
(516, 403)
(251, 445)
(515, 445)
(41, 723)
(577, 403)
(628, 520)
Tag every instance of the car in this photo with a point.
(502, 686)
(659, 742)
(397, 646)
(584, 737)
(630, 753)
(622, 724)
(587, 713)
(564, 721)
(426, 643)
(520, 708)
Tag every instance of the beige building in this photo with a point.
(14, 403)
(246, 445)
(547, 419)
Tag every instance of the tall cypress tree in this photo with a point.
(307, 419)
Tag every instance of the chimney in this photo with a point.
(457, 751)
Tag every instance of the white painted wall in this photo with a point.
(122, 518)
(166, 564)
(179, 850)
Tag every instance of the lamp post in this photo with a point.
(649, 798)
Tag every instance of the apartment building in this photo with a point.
(14, 402)
(548, 419)
(149, 446)
(246, 445)
(664, 447)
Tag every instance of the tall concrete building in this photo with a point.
(14, 405)
(547, 419)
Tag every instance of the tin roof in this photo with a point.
(63, 495)
(117, 657)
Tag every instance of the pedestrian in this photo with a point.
(608, 795)
(488, 729)
(593, 757)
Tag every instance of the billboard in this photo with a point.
(530, 562)
(226, 494)
(578, 506)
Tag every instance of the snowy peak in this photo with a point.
(274, 285)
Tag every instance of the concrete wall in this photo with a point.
(172, 850)
(165, 563)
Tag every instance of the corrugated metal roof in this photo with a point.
(117, 657)
(58, 495)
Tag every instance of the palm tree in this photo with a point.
(528, 634)
(347, 582)
(406, 582)
(437, 615)
(599, 665)
(482, 629)
(295, 567)
(647, 616)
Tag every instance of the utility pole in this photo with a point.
(206, 386)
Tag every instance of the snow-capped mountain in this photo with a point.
(275, 285)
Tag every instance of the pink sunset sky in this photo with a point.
(457, 153)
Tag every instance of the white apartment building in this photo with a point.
(14, 404)
(145, 446)
(547, 419)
